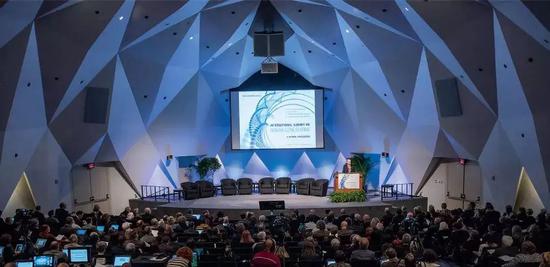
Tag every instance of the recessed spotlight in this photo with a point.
(121, 18)
(406, 9)
(384, 10)
(97, 11)
(347, 30)
(229, 44)
(309, 51)
(190, 37)
(233, 12)
(146, 17)
(299, 11)
(174, 33)
(530, 59)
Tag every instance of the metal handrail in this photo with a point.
(396, 191)
(155, 192)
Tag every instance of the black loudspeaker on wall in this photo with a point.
(97, 103)
(448, 98)
(269, 44)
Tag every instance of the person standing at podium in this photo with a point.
(347, 167)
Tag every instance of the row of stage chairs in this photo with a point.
(245, 186)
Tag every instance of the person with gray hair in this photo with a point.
(260, 239)
(506, 248)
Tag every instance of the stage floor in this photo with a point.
(250, 202)
(233, 206)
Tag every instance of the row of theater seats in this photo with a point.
(245, 186)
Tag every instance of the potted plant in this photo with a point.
(361, 165)
(206, 167)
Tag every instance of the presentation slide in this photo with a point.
(277, 119)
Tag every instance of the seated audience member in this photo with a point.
(9, 252)
(183, 258)
(429, 258)
(507, 248)
(545, 260)
(527, 254)
(73, 242)
(334, 246)
(246, 238)
(266, 257)
(260, 240)
(363, 253)
(100, 257)
(340, 260)
(391, 258)
(321, 234)
(344, 232)
(55, 251)
(309, 253)
(408, 261)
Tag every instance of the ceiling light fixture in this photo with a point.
(121, 18)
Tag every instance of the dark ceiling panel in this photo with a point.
(398, 56)
(532, 62)
(541, 10)
(146, 61)
(146, 14)
(49, 5)
(11, 55)
(454, 22)
(267, 18)
(387, 12)
(473, 127)
(64, 38)
(71, 132)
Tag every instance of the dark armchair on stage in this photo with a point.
(310, 186)
(190, 190)
(266, 185)
(283, 185)
(245, 186)
(229, 187)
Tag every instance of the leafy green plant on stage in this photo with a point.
(206, 167)
(362, 165)
(348, 196)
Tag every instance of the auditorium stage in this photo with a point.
(235, 205)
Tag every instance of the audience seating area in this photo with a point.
(474, 237)
(246, 186)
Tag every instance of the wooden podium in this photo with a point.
(348, 182)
